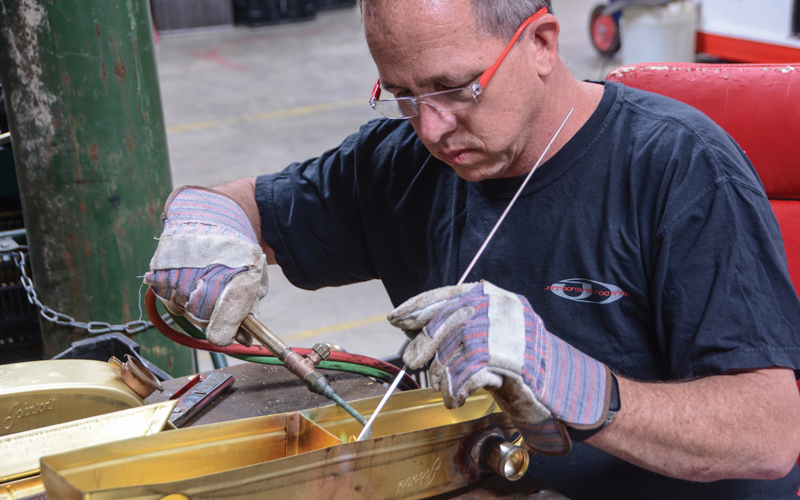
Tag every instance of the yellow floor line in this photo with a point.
(335, 328)
(271, 115)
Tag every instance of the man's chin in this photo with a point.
(470, 176)
(477, 173)
(471, 166)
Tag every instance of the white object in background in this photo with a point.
(664, 33)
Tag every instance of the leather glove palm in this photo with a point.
(481, 336)
(208, 265)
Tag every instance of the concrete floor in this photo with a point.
(242, 101)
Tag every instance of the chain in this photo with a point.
(93, 327)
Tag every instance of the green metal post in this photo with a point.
(90, 147)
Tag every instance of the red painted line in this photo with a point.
(748, 51)
(183, 390)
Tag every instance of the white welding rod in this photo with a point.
(469, 268)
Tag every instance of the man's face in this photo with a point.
(423, 46)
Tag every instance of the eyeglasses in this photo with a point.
(450, 100)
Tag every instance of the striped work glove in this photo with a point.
(208, 265)
(481, 336)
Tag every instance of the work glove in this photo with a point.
(481, 336)
(208, 265)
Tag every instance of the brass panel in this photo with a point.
(21, 488)
(189, 453)
(418, 449)
(29, 446)
(42, 393)
(406, 411)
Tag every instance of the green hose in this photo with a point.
(188, 327)
(340, 366)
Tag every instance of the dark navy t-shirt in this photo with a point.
(647, 242)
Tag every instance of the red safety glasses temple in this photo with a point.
(487, 75)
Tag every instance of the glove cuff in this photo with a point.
(181, 251)
(614, 405)
(194, 205)
(549, 437)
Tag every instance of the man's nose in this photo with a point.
(433, 124)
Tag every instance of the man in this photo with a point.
(651, 347)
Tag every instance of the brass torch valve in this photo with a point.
(302, 366)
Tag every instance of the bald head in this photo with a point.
(500, 18)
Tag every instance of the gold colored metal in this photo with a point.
(21, 488)
(419, 449)
(264, 335)
(29, 446)
(137, 376)
(508, 461)
(294, 362)
(42, 393)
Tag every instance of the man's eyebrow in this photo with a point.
(387, 85)
(450, 79)
(443, 78)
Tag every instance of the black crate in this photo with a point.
(264, 12)
(102, 347)
(173, 15)
(335, 4)
(20, 333)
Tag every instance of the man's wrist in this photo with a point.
(614, 406)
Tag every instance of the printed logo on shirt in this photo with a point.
(585, 290)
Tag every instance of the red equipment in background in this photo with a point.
(748, 31)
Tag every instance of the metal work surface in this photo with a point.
(260, 390)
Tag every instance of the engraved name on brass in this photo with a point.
(423, 478)
(15, 415)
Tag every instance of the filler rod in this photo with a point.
(365, 430)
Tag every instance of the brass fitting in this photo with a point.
(302, 366)
(507, 460)
(137, 376)
(492, 452)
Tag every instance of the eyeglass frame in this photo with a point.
(476, 88)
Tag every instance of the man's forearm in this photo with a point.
(744, 425)
(243, 191)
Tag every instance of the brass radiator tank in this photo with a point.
(418, 449)
(42, 393)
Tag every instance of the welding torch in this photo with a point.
(305, 367)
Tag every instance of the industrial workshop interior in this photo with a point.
(106, 108)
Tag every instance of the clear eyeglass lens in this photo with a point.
(390, 108)
(454, 100)
(446, 101)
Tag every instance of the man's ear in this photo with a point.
(544, 38)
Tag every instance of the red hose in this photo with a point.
(259, 350)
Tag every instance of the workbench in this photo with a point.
(260, 390)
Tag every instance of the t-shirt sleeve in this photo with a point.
(310, 217)
(722, 296)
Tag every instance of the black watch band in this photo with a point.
(614, 405)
